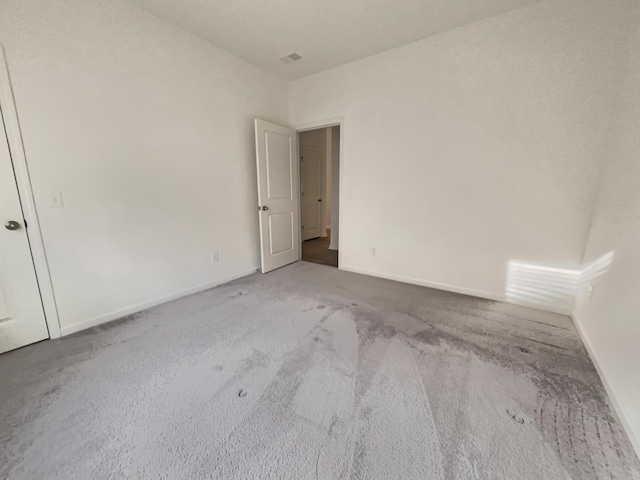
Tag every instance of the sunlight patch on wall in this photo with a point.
(595, 269)
(552, 286)
(540, 284)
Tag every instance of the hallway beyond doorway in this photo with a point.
(317, 250)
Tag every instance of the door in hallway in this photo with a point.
(312, 174)
(22, 319)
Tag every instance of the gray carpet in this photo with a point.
(311, 372)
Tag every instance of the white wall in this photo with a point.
(471, 149)
(610, 321)
(147, 132)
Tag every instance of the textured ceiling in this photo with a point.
(326, 33)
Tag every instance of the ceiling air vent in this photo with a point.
(292, 57)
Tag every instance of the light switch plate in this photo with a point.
(55, 200)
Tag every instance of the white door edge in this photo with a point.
(34, 234)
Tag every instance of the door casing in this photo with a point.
(330, 122)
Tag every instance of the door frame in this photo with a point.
(25, 191)
(329, 122)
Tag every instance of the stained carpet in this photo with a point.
(309, 372)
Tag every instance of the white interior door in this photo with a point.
(312, 172)
(22, 319)
(278, 201)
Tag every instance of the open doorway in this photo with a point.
(319, 194)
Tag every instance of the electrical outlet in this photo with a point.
(373, 252)
(589, 292)
(215, 257)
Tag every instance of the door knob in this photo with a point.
(12, 225)
(265, 208)
(319, 199)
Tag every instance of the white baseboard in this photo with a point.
(76, 327)
(610, 392)
(452, 288)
